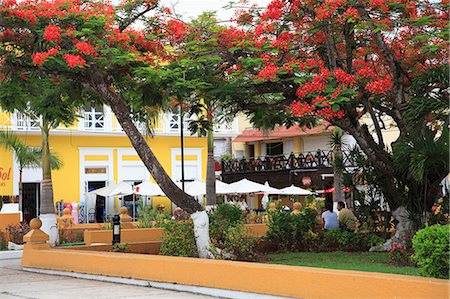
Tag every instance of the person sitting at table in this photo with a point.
(330, 218)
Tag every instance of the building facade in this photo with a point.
(96, 153)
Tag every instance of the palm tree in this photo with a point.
(26, 156)
(338, 164)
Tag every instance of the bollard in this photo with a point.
(116, 229)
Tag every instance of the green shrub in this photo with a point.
(17, 231)
(292, 232)
(237, 244)
(120, 247)
(431, 250)
(400, 254)
(374, 240)
(178, 239)
(224, 217)
(149, 217)
(348, 241)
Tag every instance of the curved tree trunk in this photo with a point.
(211, 197)
(175, 194)
(47, 209)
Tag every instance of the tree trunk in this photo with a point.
(377, 155)
(47, 210)
(338, 177)
(211, 197)
(122, 113)
(175, 194)
(47, 205)
(20, 190)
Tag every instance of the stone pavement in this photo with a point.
(18, 284)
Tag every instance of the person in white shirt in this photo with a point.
(242, 204)
(330, 218)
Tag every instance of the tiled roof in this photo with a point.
(250, 135)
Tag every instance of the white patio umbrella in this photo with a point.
(223, 188)
(195, 188)
(247, 186)
(122, 189)
(148, 188)
(198, 188)
(293, 190)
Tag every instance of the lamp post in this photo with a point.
(116, 230)
(182, 147)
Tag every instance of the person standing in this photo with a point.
(330, 218)
(347, 220)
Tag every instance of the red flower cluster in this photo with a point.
(343, 78)
(74, 60)
(85, 48)
(379, 86)
(351, 13)
(176, 29)
(300, 108)
(274, 10)
(321, 101)
(328, 113)
(40, 57)
(317, 85)
(52, 33)
(366, 72)
(268, 73)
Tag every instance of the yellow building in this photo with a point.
(96, 152)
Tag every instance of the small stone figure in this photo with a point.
(297, 207)
(66, 220)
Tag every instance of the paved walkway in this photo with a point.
(18, 284)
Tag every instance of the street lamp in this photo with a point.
(116, 230)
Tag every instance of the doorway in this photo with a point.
(31, 200)
(100, 203)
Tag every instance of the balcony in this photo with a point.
(281, 171)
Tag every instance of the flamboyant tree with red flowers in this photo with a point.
(99, 46)
(362, 65)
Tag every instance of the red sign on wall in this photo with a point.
(5, 175)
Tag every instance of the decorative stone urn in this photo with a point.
(125, 219)
(36, 237)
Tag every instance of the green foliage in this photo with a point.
(120, 247)
(348, 241)
(221, 219)
(359, 261)
(440, 212)
(291, 231)
(400, 255)
(178, 239)
(236, 244)
(431, 250)
(149, 217)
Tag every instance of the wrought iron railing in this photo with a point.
(307, 160)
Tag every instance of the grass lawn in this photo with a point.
(360, 261)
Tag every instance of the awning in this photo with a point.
(250, 135)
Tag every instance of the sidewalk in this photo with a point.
(15, 283)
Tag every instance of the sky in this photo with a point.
(190, 9)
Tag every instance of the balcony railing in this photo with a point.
(307, 160)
